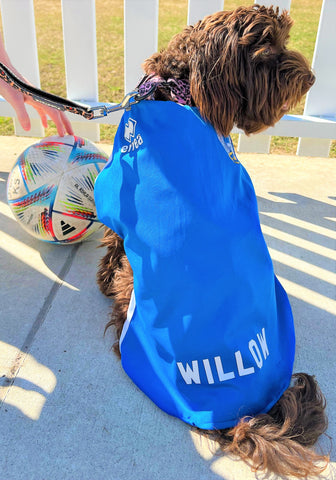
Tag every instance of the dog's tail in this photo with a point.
(281, 440)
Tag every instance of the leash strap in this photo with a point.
(64, 104)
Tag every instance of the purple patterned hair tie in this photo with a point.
(178, 89)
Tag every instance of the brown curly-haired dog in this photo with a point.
(240, 74)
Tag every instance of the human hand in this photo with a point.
(18, 100)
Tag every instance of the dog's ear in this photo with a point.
(214, 71)
(213, 93)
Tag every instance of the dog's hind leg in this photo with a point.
(110, 262)
(121, 289)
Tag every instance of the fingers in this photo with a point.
(16, 99)
(23, 116)
(67, 124)
(43, 117)
(56, 118)
(60, 120)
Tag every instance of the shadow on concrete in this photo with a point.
(91, 421)
(301, 236)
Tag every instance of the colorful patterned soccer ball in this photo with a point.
(50, 189)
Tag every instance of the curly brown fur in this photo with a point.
(241, 73)
(240, 70)
(111, 261)
(121, 290)
(115, 279)
(279, 441)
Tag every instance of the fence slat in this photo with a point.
(302, 126)
(321, 99)
(316, 126)
(260, 143)
(18, 16)
(140, 37)
(198, 9)
(255, 143)
(79, 33)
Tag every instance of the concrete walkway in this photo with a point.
(68, 411)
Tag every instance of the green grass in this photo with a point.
(172, 18)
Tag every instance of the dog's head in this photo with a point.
(240, 70)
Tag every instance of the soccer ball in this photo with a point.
(50, 189)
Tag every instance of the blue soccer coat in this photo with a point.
(209, 335)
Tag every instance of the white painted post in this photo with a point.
(198, 9)
(79, 32)
(140, 37)
(257, 143)
(260, 143)
(18, 16)
(321, 99)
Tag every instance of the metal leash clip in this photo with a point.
(132, 98)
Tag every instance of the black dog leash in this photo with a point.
(66, 105)
(177, 90)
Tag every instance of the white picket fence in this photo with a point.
(315, 128)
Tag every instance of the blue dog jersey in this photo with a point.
(209, 335)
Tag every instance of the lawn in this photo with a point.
(172, 18)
